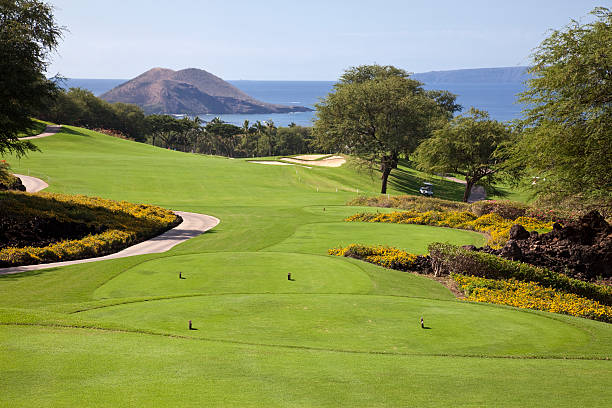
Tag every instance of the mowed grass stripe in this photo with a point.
(353, 322)
(237, 271)
(107, 369)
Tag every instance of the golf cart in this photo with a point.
(427, 189)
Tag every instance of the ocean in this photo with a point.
(498, 98)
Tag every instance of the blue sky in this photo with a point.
(301, 40)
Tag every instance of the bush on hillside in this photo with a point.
(120, 224)
(504, 208)
(113, 133)
(449, 259)
(530, 295)
(387, 257)
(492, 224)
(7, 180)
(409, 202)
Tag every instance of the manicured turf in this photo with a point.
(56, 367)
(317, 238)
(353, 323)
(342, 333)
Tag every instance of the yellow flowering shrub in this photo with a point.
(496, 227)
(530, 295)
(388, 257)
(505, 208)
(121, 224)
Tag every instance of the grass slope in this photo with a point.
(36, 128)
(342, 333)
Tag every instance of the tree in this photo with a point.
(225, 135)
(293, 140)
(472, 145)
(28, 33)
(271, 133)
(260, 149)
(171, 131)
(567, 128)
(378, 113)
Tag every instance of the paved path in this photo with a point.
(32, 184)
(477, 193)
(193, 225)
(49, 131)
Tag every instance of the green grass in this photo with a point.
(505, 191)
(342, 333)
(37, 127)
(364, 323)
(74, 367)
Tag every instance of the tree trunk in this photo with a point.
(385, 176)
(468, 189)
(387, 164)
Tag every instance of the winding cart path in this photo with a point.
(193, 224)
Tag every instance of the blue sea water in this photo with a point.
(498, 98)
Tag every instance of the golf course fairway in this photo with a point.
(341, 332)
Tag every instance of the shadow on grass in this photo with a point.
(25, 274)
(408, 180)
(73, 132)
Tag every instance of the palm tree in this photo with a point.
(260, 131)
(271, 131)
(246, 130)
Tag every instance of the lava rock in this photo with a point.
(581, 249)
(512, 251)
(518, 232)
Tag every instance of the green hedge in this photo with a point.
(121, 223)
(504, 208)
(448, 259)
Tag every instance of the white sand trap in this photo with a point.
(309, 156)
(274, 163)
(333, 161)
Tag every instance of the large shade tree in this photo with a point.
(567, 127)
(471, 145)
(28, 33)
(378, 113)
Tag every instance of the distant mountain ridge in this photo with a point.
(475, 75)
(190, 91)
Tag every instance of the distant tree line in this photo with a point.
(560, 150)
(28, 34)
(562, 146)
(79, 107)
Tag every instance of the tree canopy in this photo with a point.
(471, 145)
(567, 127)
(28, 33)
(80, 107)
(378, 113)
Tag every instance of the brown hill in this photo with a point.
(189, 91)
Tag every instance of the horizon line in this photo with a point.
(319, 80)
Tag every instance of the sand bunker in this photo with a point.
(309, 156)
(333, 161)
(274, 163)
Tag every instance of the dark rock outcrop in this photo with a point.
(518, 232)
(189, 91)
(581, 249)
(422, 265)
